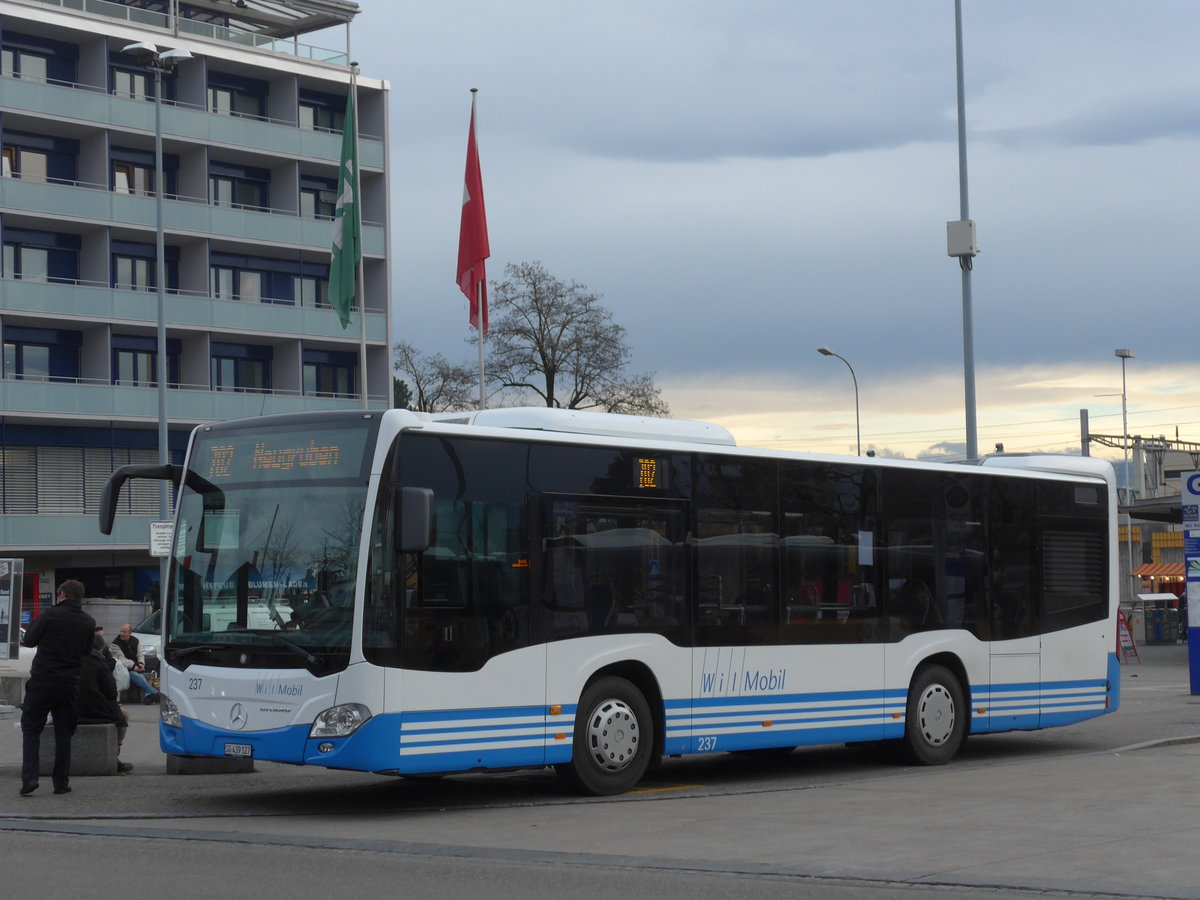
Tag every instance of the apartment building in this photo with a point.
(251, 136)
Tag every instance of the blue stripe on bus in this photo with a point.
(754, 699)
(462, 740)
(497, 712)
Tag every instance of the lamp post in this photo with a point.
(1124, 353)
(825, 351)
(160, 63)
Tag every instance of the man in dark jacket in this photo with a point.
(98, 696)
(63, 636)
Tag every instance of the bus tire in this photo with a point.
(936, 719)
(613, 738)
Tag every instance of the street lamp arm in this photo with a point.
(825, 351)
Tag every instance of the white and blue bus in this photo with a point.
(404, 594)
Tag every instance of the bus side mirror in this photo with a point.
(414, 519)
(112, 488)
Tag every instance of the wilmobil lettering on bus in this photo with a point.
(756, 682)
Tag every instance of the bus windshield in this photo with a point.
(266, 548)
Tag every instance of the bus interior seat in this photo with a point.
(600, 605)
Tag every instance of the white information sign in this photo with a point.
(160, 538)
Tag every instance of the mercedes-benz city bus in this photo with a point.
(404, 594)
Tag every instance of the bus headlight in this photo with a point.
(339, 721)
(169, 712)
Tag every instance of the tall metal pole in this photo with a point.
(1124, 353)
(360, 286)
(160, 278)
(965, 261)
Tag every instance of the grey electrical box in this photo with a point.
(960, 238)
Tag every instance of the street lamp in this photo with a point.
(1123, 354)
(825, 351)
(160, 63)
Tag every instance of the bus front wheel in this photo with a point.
(936, 719)
(613, 738)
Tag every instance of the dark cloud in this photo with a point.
(1123, 120)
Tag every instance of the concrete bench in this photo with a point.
(93, 750)
(12, 689)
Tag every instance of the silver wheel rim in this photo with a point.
(613, 735)
(935, 714)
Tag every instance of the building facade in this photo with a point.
(251, 128)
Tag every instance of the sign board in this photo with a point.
(1126, 648)
(160, 538)
(1189, 489)
(11, 581)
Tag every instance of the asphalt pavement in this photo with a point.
(1107, 807)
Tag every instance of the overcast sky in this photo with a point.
(744, 181)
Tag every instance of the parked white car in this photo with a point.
(20, 665)
(149, 635)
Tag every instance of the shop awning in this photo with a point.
(1159, 570)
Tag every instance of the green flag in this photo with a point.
(347, 221)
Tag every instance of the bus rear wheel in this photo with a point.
(613, 738)
(935, 724)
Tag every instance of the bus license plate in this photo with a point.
(239, 750)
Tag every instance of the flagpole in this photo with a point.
(479, 288)
(359, 288)
(482, 339)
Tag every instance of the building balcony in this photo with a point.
(262, 41)
(75, 201)
(78, 302)
(92, 107)
(40, 532)
(102, 400)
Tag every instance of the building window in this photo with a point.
(26, 263)
(130, 273)
(37, 157)
(318, 197)
(319, 117)
(38, 59)
(41, 354)
(233, 276)
(129, 178)
(241, 368)
(135, 361)
(133, 85)
(232, 283)
(135, 266)
(240, 187)
(25, 64)
(28, 165)
(309, 291)
(328, 374)
(40, 255)
(229, 95)
(133, 171)
(26, 361)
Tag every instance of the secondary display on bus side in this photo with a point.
(225, 457)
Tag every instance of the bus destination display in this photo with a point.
(309, 455)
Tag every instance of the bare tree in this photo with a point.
(434, 383)
(554, 339)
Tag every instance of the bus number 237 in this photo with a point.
(706, 744)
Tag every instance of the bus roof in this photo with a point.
(611, 425)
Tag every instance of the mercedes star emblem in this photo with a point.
(237, 716)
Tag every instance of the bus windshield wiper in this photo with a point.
(309, 658)
(191, 651)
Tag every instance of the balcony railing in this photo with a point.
(221, 33)
(196, 107)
